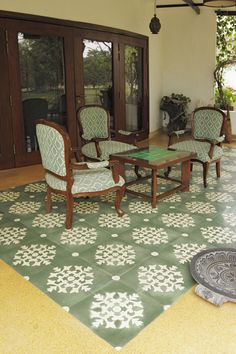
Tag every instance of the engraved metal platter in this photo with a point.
(216, 270)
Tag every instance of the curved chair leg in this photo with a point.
(69, 210)
(218, 169)
(136, 170)
(205, 172)
(49, 200)
(119, 195)
(166, 174)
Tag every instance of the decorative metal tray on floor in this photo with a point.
(215, 269)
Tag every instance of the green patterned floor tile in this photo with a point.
(117, 313)
(115, 257)
(117, 274)
(159, 278)
(69, 280)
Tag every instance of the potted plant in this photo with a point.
(224, 97)
(176, 106)
(227, 99)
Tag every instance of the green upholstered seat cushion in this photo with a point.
(92, 180)
(201, 148)
(107, 148)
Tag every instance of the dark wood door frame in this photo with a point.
(12, 145)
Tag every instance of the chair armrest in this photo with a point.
(89, 165)
(127, 136)
(77, 153)
(176, 133)
(113, 164)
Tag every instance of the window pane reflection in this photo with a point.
(42, 82)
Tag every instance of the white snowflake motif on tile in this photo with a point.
(116, 254)
(140, 188)
(185, 252)
(178, 220)
(21, 208)
(175, 173)
(219, 197)
(34, 255)
(225, 175)
(130, 173)
(230, 218)
(49, 220)
(144, 172)
(229, 152)
(116, 310)
(230, 168)
(201, 208)
(36, 187)
(149, 236)
(141, 207)
(160, 278)
(194, 188)
(12, 235)
(58, 198)
(230, 188)
(79, 236)
(110, 197)
(113, 221)
(198, 180)
(9, 196)
(86, 208)
(197, 167)
(71, 279)
(218, 234)
(175, 198)
(163, 181)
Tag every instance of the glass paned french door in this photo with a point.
(42, 82)
(133, 87)
(50, 70)
(98, 74)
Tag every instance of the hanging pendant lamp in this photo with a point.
(155, 24)
(219, 3)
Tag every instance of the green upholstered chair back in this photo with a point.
(94, 121)
(207, 123)
(52, 148)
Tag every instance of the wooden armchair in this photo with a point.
(94, 130)
(208, 126)
(74, 180)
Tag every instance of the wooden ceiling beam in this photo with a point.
(193, 5)
(190, 3)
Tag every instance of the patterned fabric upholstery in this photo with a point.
(107, 148)
(52, 153)
(207, 124)
(94, 123)
(201, 148)
(92, 180)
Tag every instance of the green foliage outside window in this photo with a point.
(225, 58)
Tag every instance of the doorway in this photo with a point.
(50, 70)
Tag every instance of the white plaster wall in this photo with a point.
(181, 56)
(188, 46)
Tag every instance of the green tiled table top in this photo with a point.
(152, 154)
